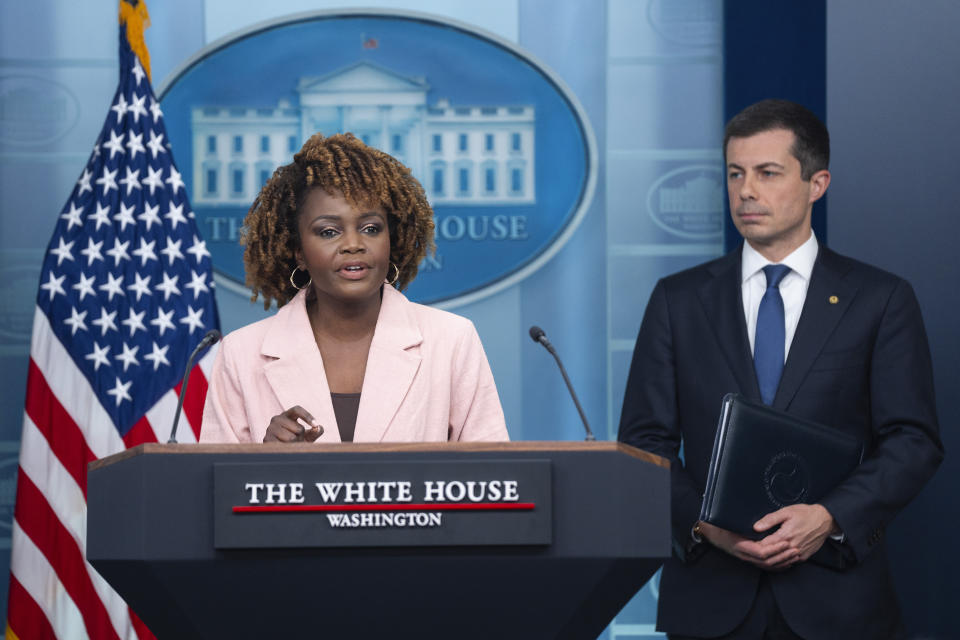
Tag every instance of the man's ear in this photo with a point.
(818, 184)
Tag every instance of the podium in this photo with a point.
(159, 531)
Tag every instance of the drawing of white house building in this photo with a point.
(697, 195)
(464, 155)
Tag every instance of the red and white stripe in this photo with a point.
(54, 591)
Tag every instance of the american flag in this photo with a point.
(126, 293)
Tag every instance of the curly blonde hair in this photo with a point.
(366, 177)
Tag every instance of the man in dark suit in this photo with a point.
(854, 356)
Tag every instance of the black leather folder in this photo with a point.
(764, 459)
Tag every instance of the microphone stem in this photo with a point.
(183, 390)
(573, 394)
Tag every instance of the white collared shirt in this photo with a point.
(793, 287)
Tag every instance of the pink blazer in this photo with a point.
(427, 378)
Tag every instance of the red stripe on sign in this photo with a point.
(41, 524)
(453, 506)
(25, 618)
(46, 412)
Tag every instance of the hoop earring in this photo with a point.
(396, 273)
(293, 273)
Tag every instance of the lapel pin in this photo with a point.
(834, 299)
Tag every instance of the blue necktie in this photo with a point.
(768, 344)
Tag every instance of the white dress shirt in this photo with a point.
(793, 287)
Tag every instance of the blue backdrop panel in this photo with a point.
(775, 50)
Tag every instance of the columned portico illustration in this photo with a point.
(464, 155)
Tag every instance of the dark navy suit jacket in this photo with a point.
(859, 362)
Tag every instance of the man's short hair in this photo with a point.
(812, 145)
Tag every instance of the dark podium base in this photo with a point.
(150, 532)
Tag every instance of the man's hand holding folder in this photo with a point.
(803, 528)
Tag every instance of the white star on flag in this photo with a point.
(98, 355)
(135, 145)
(138, 73)
(128, 356)
(155, 111)
(156, 144)
(114, 144)
(197, 283)
(84, 182)
(199, 249)
(75, 321)
(125, 217)
(113, 286)
(119, 251)
(101, 216)
(131, 181)
(121, 391)
(105, 321)
(136, 108)
(192, 319)
(154, 179)
(175, 180)
(107, 180)
(135, 321)
(73, 216)
(149, 215)
(158, 356)
(145, 251)
(163, 321)
(92, 252)
(168, 286)
(120, 107)
(141, 286)
(175, 215)
(84, 286)
(63, 250)
(54, 285)
(172, 250)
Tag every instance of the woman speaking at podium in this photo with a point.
(333, 237)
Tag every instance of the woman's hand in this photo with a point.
(289, 426)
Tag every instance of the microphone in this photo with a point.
(211, 338)
(538, 335)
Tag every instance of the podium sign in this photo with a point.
(341, 504)
(589, 525)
